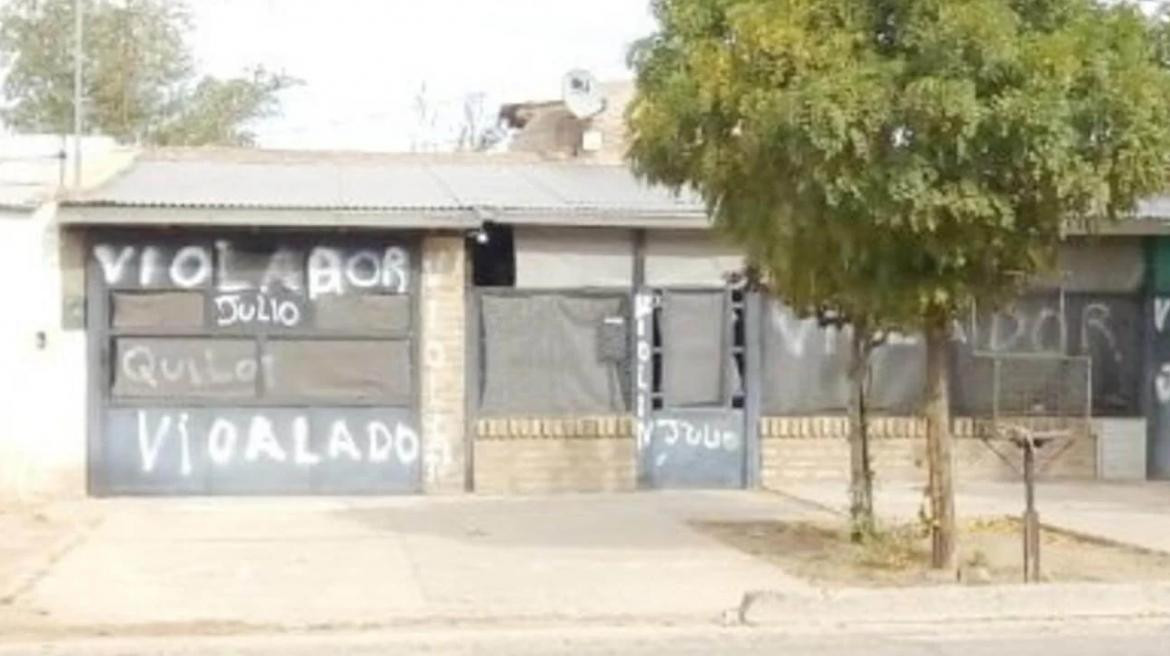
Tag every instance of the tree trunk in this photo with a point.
(860, 473)
(938, 446)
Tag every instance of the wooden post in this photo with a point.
(1031, 518)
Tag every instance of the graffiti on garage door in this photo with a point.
(238, 364)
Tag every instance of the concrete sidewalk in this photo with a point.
(1137, 514)
(312, 562)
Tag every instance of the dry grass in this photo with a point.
(899, 554)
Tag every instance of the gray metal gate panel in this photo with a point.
(686, 447)
(696, 448)
(162, 446)
(260, 451)
(1158, 389)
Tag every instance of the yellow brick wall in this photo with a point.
(443, 355)
(815, 448)
(545, 455)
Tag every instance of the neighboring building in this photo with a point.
(239, 322)
(549, 129)
(42, 339)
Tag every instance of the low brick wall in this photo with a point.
(816, 448)
(548, 455)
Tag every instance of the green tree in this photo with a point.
(140, 82)
(931, 153)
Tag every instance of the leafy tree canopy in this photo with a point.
(903, 157)
(140, 82)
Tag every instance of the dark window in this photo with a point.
(493, 256)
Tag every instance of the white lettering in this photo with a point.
(1162, 384)
(225, 283)
(394, 269)
(1096, 319)
(673, 434)
(283, 268)
(301, 453)
(363, 269)
(185, 439)
(1048, 315)
(340, 439)
(406, 444)
(221, 441)
(998, 341)
(113, 266)
(149, 447)
(262, 440)
(324, 272)
(288, 314)
(148, 266)
(138, 366)
(680, 432)
(783, 320)
(1161, 308)
(381, 441)
(191, 267)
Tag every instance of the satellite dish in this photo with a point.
(582, 94)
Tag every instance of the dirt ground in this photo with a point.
(990, 552)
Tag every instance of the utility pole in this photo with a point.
(78, 80)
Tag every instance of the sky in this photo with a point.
(363, 62)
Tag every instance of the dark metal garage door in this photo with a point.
(252, 363)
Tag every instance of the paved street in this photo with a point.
(1141, 639)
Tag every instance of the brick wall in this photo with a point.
(442, 411)
(542, 455)
(816, 448)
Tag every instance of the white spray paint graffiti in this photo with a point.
(1161, 309)
(675, 434)
(328, 270)
(258, 309)
(256, 438)
(140, 365)
(1046, 330)
(643, 314)
(795, 333)
(1162, 378)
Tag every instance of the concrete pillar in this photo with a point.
(443, 409)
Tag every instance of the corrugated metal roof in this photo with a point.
(491, 186)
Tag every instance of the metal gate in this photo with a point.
(252, 363)
(691, 384)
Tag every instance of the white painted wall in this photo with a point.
(1121, 448)
(568, 258)
(42, 365)
(689, 258)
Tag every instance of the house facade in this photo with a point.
(250, 322)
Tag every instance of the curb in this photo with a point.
(858, 606)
